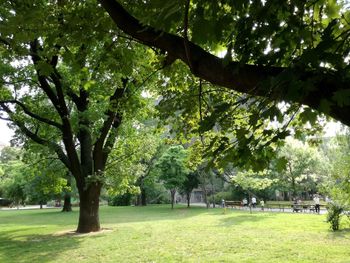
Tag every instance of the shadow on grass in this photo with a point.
(238, 218)
(341, 234)
(17, 247)
(108, 215)
(38, 217)
(120, 215)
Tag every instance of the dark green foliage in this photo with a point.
(191, 182)
(5, 202)
(334, 215)
(120, 200)
(172, 169)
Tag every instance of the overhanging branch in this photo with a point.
(244, 78)
(33, 115)
(36, 138)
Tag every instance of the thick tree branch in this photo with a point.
(242, 78)
(58, 101)
(107, 148)
(34, 137)
(113, 120)
(44, 85)
(33, 115)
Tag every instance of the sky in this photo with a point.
(331, 129)
(5, 133)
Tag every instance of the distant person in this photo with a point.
(262, 204)
(245, 201)
(254, 201)
(327, 199)
(317, 203)
(223, 203)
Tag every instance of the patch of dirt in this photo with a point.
(74, 233)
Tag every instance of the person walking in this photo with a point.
(254, 201)
(317, 203)
(245, 202)
(262, 204)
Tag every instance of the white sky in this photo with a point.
(6, 134)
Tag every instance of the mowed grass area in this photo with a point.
(158, 234)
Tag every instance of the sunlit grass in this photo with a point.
(158, 234)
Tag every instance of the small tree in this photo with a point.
(305, 168)
(191, 182)
(172, 169)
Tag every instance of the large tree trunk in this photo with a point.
(294, 188)
(172, 192)
(89, 209)
(206, 196)
(213, 193)
(67, 204)
(143, 197)
(188, 195)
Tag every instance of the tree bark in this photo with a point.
(89, 209)
(143, 197)
(213, 193)
(205, 196)
(188, 195)
(172, 192)
(67, 204)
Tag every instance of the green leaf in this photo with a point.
(342, 97)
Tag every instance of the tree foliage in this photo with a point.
(173, 169)
(295, 51)
(68, 84)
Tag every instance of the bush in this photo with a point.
(5, 202)
(334, 215)
(120, 200)
(223, 195)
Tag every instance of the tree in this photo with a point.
(337, 186)
(172, 169)
(67, 84)
(45, 177)
(149, 161)
(191, 182)
(285, 51)
(12, 182)
(304, 171)
(9, 154)
(253, 182)
(30, 177)
(132, 159)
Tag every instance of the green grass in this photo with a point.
(157, 234)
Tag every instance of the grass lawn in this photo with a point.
(157, 234)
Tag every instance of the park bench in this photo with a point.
(303, 208)
(280, 207)
(297, 207)
(233, 204)
(312, 208)
(5, 202)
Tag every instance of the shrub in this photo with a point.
(120, 200)
(334, 215)
(223, 195)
